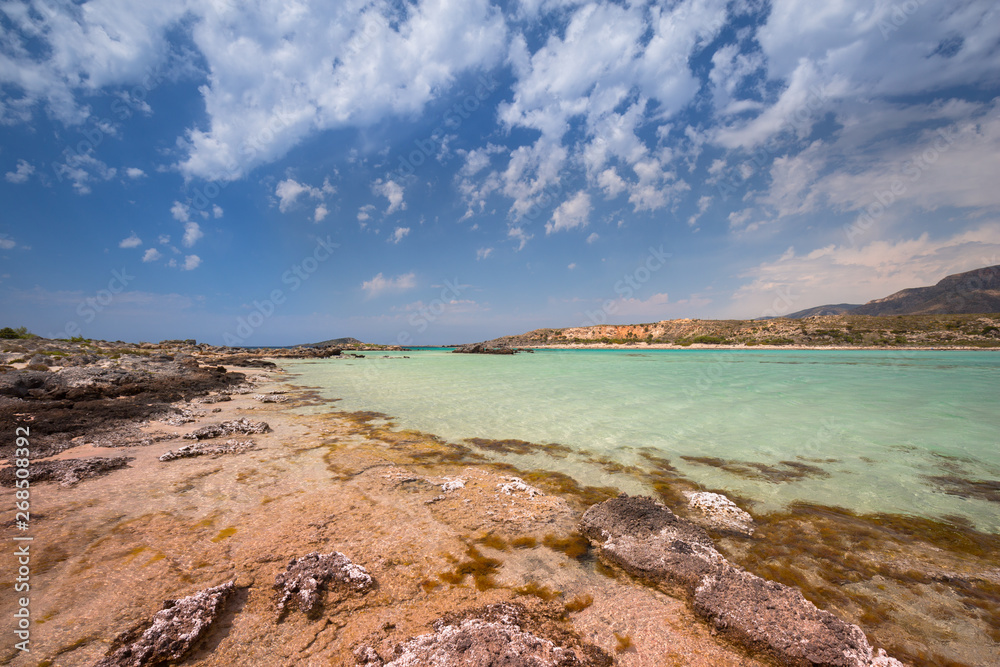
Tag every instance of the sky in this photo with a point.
(445, 171)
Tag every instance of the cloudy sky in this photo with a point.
(436, 171)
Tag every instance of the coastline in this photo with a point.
(704, 346)
(350, 482)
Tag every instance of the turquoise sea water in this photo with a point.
(872, 431)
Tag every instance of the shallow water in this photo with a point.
(911, 432)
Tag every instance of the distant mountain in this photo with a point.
(975, 291)
(831, 309)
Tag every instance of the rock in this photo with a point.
(198, 449)
(306, 578)
(270, 398)
(174, 630)
(497, 635)
(715, 511)
(646, 539)
(515, 485)
(67, 471)
(483, 348)
(217, 398)
(777, 619)
(234, 426)
(453, 484)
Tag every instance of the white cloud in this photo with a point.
(518, 234)
(703, 204)
(380, 284)
(612, 184)
(82, 169)
(151, 255)
(22, 173)
(593, 238)
(365, 213)
(289, 191)
(134, 173)
(181, 212)
(191, 262)
(217, 211)
(483, 253)
(164, 239)
(7, 243)
(571, 266)
(192, 233)
(572, 213)
(392, 191)
(398, 235)
(132, 241)
(350, 64)
(321, 212)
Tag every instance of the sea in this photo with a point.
(915, 432)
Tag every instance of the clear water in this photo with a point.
(878, 423)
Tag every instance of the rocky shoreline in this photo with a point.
(184, 475)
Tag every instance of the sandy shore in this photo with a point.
(108, 550)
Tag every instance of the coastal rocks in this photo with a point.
(198, 449)
(67, 471)
(216, 398)
(174, 630)
(647, 540)
(232, 427)
(515, 485)
(502, 634)
(483, 348)
(270, 398)
(305, 579)
(715, 511)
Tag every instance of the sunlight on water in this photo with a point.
(872, 431)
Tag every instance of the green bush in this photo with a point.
(12, 334)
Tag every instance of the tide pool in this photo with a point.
(908, 431)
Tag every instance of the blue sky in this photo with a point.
(430, 171)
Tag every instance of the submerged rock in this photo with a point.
(646, 539)
(198, 449)
(67, 471)
(306, 578)
(714, 510)
(483, 348)
(234, 426)
(496, 635)
(174, 630)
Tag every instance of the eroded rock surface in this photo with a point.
(67, 471)
(235, 426)
(306, 578)
(198, 449)
(501, 634)
(174, 630)
(714, 510)
(646, 539)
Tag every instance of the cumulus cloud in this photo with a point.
(22, 173)
(192, 233)
(134, 173)
(483, 253)
(151, 255)
(392, 191)
(82, 169)
(7, 243)
(365, 213)
(181, 212)
(572, 213)
(399, 234)
(133, 241)
(191, 262)
(321, 212)
(380, 284)
(217, 211)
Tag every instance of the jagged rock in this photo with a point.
(218, 398)
(514, 485)
(777, 619)
(646, 539)
(234, 426)
(67, 471)
(270, 398)
(498, 635)
(306, 578)
(483, 348)
(174, 630)
(714, 510)
(198, 449)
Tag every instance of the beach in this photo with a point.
(442, 528)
